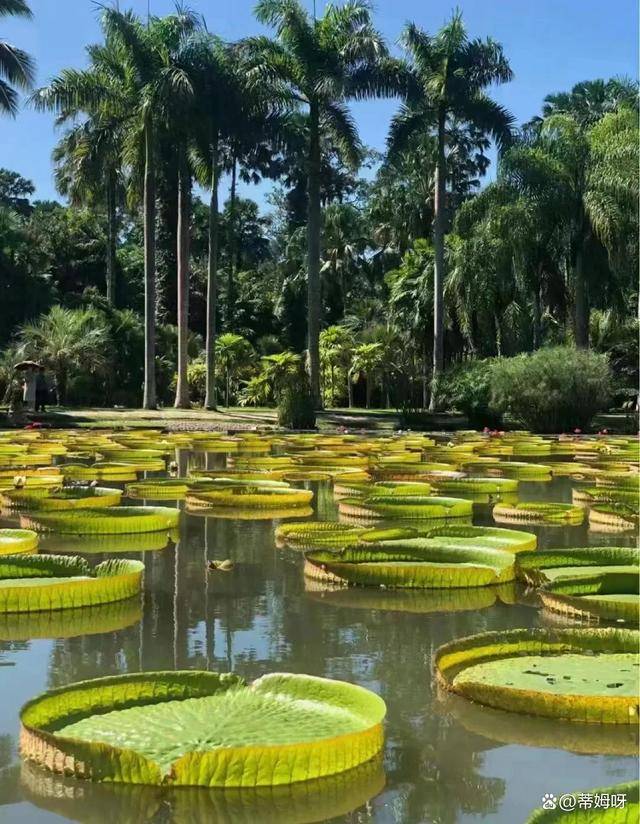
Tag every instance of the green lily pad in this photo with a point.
(112, 521)
(29, 583)
(14, 541)
(612, 595)
(538, 568)
(587, 675)
(201, 728)
(411, 563)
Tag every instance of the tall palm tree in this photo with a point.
(16, 66)
(445, 81)
(87, 168)
(588, 179)
(320, 64)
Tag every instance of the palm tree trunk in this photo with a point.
(227, 388)
(149, 399)
(581, 303)
(184, 185)
(212, 283)
(231, 274)
(313, 255)
(368, 392)
(438, 275)
(349, 390)
(425, 381)
(112, 237)
(537, 316)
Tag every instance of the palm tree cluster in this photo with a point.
(385, 280)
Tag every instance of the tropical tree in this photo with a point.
(65, 340)
(368, 359)
(87, 168)
(445, 80)
(588, 179)
(234, 356)
(336, 350)
(17, 69)
(132, 80)
(319, 64)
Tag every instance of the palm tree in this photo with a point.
(147, 53)
(320, 64)
(589, 101)
(64, 340)
(16, 66)
(234, 354)
(87, 167)
(588, 179)
(232, 118)
(445, 80)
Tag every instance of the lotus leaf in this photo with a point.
(202, 728)
(541, 513)
(412, 563)
(586, 675)
(116, 520)
(29, 583)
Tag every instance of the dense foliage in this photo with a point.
(137, 290)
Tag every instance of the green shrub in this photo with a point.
(552, 390)
(467, 388)
(296, 408)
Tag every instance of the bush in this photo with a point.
(467, 388)
(295, 402)
(552, 390)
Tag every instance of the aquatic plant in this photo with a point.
(203, 728)
(586, 675)
(30, 583)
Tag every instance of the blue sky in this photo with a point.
(551, 44)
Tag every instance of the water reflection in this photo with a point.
(440, 765)
(310, 801)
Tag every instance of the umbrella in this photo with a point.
(26, 364)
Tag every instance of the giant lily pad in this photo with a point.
(410, 506)
(413, 562)
(538, 568)
(83, 497)
(252, 496)
(116, 520)
(29, 583)
(606, 595)
(13, 541)
(613, 517)
(586, 675)
(202, 728)
(540, 513)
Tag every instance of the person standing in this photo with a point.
(29, 388)
(42, 390)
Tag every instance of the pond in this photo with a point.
(445, 760)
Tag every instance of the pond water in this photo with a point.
(443, 761)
